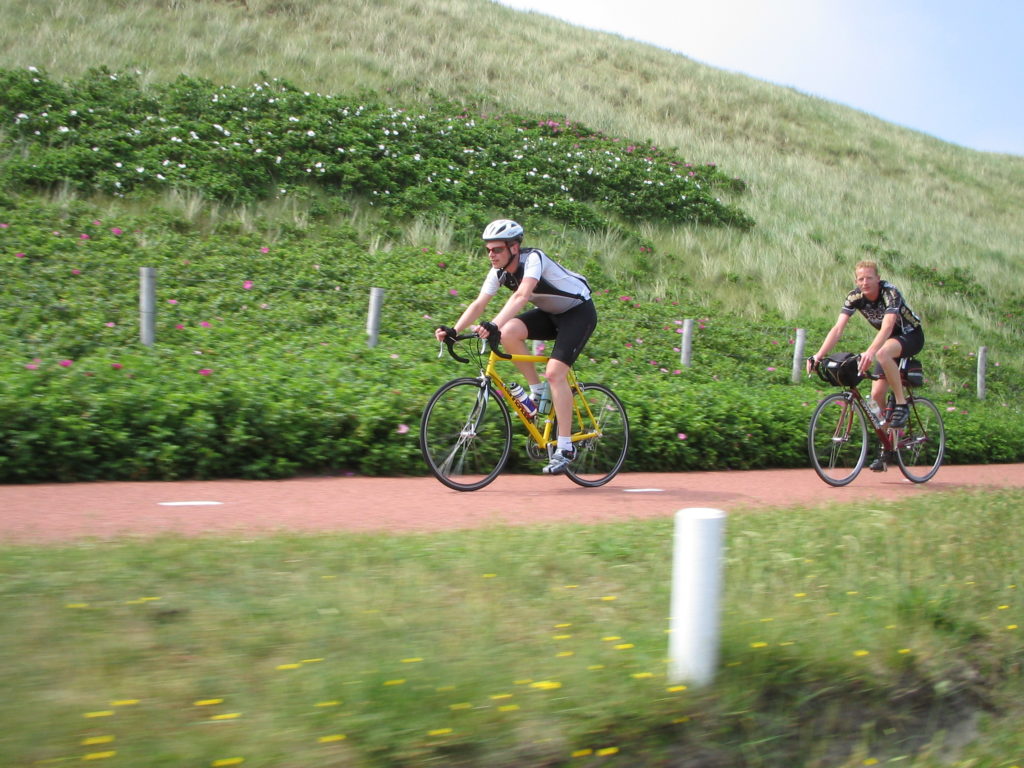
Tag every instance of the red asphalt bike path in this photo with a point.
(56, 512)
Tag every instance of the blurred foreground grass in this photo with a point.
(850, 636)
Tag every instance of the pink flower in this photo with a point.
(19, 255)
(97, 223)
(83, 236)
(771, 367)
(452, 292)
(116, 231)
(681, 435)
(402, 429)
(65, 363)
(116, 366)
(110, 325)
(677, 371)
(264, 249)
(205, 371)
(204, 324)
(247, 285)
(178, 326)
(4, 225)
(76, 271)
(172, 301)
(31, 366)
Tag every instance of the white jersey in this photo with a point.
(558, 289)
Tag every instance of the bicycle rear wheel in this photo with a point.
(465, 434)
(599, 458)
(921, 444)
(837, 439)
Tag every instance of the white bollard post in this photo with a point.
(373, 317)
(798, 355)
(147, 305)
(982, 370)
(684, 356)
(696, 587)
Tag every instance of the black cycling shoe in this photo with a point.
(878, 465)
(900, 416)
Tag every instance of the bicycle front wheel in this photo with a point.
(921, 444)
(599, 457)
(465, 434)
(837, 439)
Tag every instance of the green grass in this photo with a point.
(827, 185)
(850, 636)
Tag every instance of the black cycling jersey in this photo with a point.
(889, 301)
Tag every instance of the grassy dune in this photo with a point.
(829, 185)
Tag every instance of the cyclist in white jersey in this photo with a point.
(563, 311)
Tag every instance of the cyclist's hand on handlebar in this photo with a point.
(487, 329)
(866, 358)
(443, 332)
(812, 364)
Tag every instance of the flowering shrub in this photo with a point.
(106, 133)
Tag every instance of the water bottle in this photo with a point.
(544, 406)
(876, 411)
(524, 399)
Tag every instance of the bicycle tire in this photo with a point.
(921, 444)
(600, 458)
(465, 434)
(837, 439)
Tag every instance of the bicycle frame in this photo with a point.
(884, 434)
(582, 416)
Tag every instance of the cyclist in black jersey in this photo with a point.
(899, 335)
(563, 311)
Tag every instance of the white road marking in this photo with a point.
(643, 490)
(189, 503)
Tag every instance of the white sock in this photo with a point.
(564, 443)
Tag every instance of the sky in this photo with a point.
(953, 69)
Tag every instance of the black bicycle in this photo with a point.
(837, 439)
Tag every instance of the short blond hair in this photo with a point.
(867, 264)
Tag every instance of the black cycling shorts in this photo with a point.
(570, 330)
(911, 343)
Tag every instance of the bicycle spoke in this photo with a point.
(599, 457)
(837, 440)
(921, 444)
(465, 435)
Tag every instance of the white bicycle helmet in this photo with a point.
(503, 229)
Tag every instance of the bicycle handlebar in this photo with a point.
(867, 374)
(493, 340)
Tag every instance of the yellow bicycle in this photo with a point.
(466, 428)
